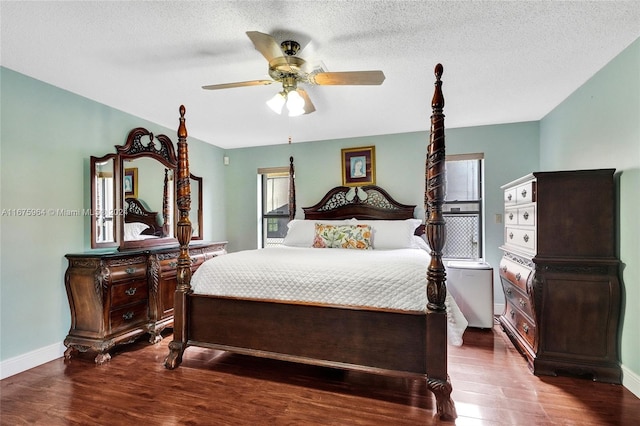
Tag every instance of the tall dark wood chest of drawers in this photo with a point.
(559, 272)
(116, 297)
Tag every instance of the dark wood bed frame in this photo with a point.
(383, 341)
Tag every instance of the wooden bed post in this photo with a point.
(434, 196)
(437, 376)
(179, 343)
(292, 189)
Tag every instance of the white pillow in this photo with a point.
(132, 230)
(393, 234)
(301, 232)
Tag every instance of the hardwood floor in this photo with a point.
(492, 386)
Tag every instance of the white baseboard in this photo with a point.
(30, 360)
(631, 381)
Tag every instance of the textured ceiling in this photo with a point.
(503, 61)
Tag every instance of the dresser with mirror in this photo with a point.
(123, 288)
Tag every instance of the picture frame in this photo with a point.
(130, 183)
(358, 166)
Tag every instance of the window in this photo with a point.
(462, 208)
(273, 205)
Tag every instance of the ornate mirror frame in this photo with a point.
(112, 206)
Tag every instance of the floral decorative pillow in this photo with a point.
(342, 236)
(352, 237)
(323, 236)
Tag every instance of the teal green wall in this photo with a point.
(47, 136)
(598, 126)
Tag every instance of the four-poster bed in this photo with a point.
(384, 340)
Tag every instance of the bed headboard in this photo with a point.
(362, 202)
(136, 211)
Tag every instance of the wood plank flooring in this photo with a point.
(492, 386)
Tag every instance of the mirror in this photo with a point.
(133, 194)
(103, 229)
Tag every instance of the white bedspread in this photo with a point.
(394, 279)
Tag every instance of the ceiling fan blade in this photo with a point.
(308, 105)
(348, 78)
(238, 84)
(265, 44)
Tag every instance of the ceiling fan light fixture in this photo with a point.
(277, 102)
(295, 103)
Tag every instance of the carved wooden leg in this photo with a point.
(155, 338)
(444, 404)
(73, 347)
(173, 360)
(102, 357)
(68, 352)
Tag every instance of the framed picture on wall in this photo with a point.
(130, 183)
(359, 166)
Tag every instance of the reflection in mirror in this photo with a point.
(103, 226)
(148, 188)
(195, 214)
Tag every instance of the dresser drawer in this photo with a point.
(510, 197)
(517, 298)
(524, 193)
(515, 273)
(525, 327)
(128, 293)
(129, 315)
(523, 238)
(170, 265)
(511, 216)
(197, 260)
(215, 250)
(527, 215)
(128, 270)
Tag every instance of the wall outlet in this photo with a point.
(498, 218)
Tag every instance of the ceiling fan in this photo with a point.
(290, 70)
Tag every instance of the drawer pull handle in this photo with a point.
(127, 316)
(525, 327)
(504, 268)
(508, 292)
(173, 264)
(526, 215)
(524, 193)
(131, 291)
(512, 313)
(510, 216)
(511, 235)
(518, 276)
(130, 270)
(526, 238)
(522, 303)
(509, 197)
(194, 260)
